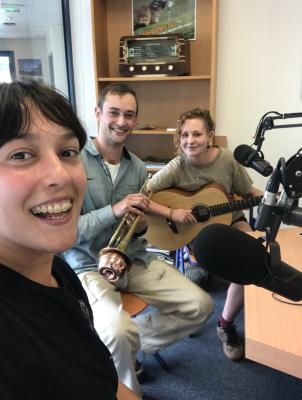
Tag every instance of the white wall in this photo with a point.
(83, 63)
(259, 70)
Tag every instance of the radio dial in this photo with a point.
(131, 68)
(158, 54)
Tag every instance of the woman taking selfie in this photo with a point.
(49, 348)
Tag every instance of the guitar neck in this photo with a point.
(236, 205)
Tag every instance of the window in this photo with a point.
(7, 66)
(35, 43)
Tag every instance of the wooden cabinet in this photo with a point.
(161, 99)
(273, 324)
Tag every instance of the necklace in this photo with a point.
(195, 171)
(198, 171)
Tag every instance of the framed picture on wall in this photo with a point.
(161, 17)
(30, 66)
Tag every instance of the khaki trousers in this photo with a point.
(181, 308)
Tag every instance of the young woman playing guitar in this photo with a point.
(198, 164)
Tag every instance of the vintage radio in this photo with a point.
(154, 55)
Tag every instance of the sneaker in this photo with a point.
(193, 270)
(232, 344)
(139, 369)
(196, 274)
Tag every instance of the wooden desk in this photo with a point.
(273, 330)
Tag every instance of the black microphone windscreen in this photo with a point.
(251, 158)
(240, 258)
(231, 254)
(241, 153)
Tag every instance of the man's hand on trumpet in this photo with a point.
(135, 203)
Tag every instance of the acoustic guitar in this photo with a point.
(209, 205)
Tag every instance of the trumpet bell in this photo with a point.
(112, 263)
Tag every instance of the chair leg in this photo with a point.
(176, 259)
(182, 261)
(179, 260)
(161, 361)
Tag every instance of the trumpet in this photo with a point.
(113, 260)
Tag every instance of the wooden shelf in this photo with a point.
(161, 98)
(159, 145)
(154, 78)
(157, 131)
(219, 140)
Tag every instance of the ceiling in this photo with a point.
(28, 18)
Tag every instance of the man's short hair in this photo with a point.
(116, 88)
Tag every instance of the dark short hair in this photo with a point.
(116, 88)
(195, 113)
(18, 99)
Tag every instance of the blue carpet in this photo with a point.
(198, 369)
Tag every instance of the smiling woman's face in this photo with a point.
(42, 187)
(194, 138)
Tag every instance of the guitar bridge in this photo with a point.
(172, 225)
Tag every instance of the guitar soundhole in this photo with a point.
(201, 212)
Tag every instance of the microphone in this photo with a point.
(248, 157)
(242, 259)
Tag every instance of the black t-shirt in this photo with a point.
(48, 346)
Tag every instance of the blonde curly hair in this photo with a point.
(199, 113)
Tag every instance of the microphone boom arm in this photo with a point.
(289, 174)
(268, 123)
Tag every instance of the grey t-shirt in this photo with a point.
(223, 170)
